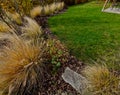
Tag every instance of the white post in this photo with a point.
(105, 5)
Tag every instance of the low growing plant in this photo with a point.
(57, 53)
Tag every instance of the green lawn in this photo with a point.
(87, 32)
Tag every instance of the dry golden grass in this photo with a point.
(47, 10)
(31, 30)
(52, 7)
(4, 27)
(102, 81)
(22, 69)
(15, 17)
(62, 5)
(17, 62)
(36, 11)
(59, 6)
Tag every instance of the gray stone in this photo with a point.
(77, 81)
(112, 10)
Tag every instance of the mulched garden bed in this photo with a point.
(53, 83)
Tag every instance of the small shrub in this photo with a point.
(57, 54)
(102, 81)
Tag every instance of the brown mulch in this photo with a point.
(55, 83)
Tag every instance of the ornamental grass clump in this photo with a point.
(102, 81)
(22, 67)
(23, 73)
(52, 8)
(15, 17)
(46, 10)
(4, 28)
(59, 6)
(31, 30)
(16, 9)
(36, 11)
(62, 5)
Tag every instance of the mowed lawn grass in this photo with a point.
(86, 31)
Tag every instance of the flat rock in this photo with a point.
(112, 10)
(77, 81)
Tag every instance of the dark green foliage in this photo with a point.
(57, 54)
